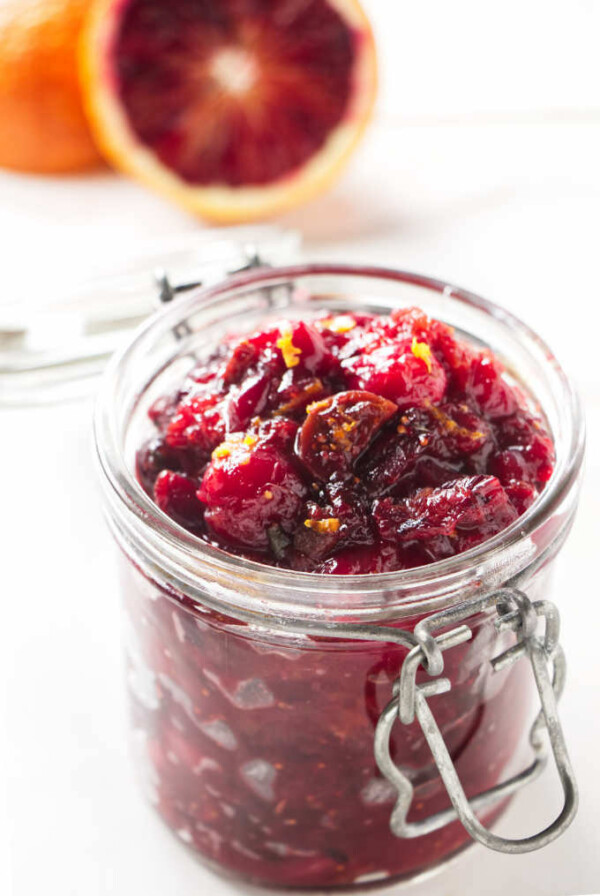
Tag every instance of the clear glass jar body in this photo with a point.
(253, 715)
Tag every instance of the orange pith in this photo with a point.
(43, 127)
(232, 123)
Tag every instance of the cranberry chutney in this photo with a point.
(341, 432)
(353, 443)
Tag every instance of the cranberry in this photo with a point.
(313, 355)
(153, 457)
(249, 487)
(527, 452)
(427, 438)
(241, 358)
(362, 560)
(198, 423)
(406, 372)
(486, 385)
(296, 391)
(339, 517)
(521, 495)
(447, 520)
(176, 495)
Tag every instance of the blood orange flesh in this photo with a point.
(235, 108)
(240, 92)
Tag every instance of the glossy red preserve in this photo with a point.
(257, 749)
(354, 443)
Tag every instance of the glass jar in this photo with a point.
(311, 731)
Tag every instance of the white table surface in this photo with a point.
(482, 168)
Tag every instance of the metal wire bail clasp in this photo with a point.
(517, 613)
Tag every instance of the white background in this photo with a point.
(483, 167)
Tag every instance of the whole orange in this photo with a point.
(42, 124)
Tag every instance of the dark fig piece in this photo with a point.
(338, 430)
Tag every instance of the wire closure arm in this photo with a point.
(516, 612)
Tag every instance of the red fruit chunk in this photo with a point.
(249, 400)
(198, 423)
(486, 386)
(360, 561)
(176, 496)
(151, 458)
(347, 334)
(243, 356)
(454, 355)
(296, 391)
(341, 517)
(338, 430)
(521, 495)
(161, 411)
(528, 452)
(309, 348)
(411, 321)
(249, 487)
(406, 372)
(450, 519)
(447, 433)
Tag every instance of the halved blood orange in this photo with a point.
(236, 109)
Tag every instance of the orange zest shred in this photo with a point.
(268, 495)
(342, 323)
(289, 351)
(421, 350)
(323, 527)
(318, 405)
(451, 425)
(294, 403)
(232, 443)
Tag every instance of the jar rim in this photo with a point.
(193, 566)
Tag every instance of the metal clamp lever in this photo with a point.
(516, 612)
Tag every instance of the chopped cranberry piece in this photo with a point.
(243, 356)
(406, 372)
(340, 517)
(450, 519)
(296, 391)
(312, 353)
(527, 450)
(154, 456)
(360, 561)
(250, 486)
(422, 437)
(521, 495)
(487, 387)
(338, 430)
(162, 410)
(175, 494)
(250, 400)
(198, 423)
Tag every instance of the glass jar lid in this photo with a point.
(55, 343)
